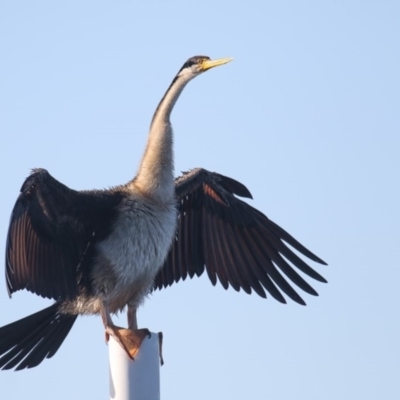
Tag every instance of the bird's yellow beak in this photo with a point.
(207, 64)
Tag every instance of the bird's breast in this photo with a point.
(129, 258)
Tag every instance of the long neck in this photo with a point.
(156, 171)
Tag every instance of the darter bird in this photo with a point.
(100, 251)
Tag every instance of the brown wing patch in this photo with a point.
(209, 191)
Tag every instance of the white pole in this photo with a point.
(137, 379)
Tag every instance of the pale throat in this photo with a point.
(156, 171)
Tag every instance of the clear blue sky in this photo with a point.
(307, 116)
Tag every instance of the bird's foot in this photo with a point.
(130, 340)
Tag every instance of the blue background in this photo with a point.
(307, 116)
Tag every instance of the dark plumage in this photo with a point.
(30, 340)
(235, 243)
(50, 240)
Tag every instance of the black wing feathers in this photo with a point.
(51, 235)
(28, 341)
(236, 244)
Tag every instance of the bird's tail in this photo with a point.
(28, 341)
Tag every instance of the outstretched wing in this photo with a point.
(52, 230)
(234, 242)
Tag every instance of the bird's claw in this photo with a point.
(160, 342)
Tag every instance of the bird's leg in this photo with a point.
(121, 335)
(132, 325)
(132, 319)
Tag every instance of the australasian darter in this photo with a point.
(99, 251)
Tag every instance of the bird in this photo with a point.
(99, 252)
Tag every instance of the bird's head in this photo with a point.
(199, 64)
